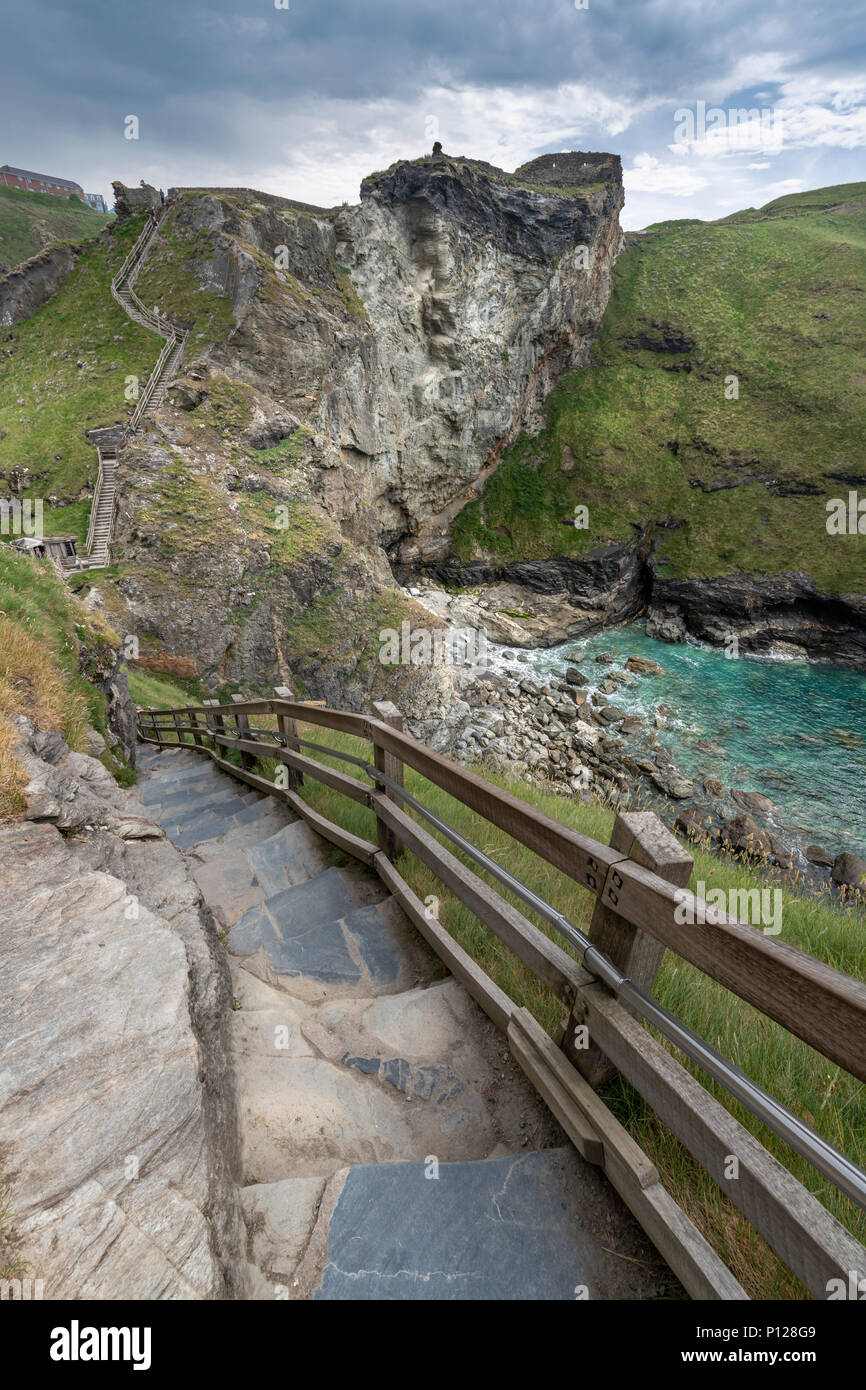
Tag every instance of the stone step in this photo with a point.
(186, 811)
(240, 879)
(154, 792)
(536, 1226)
(211, 824)
(370, 1080)
(230, 836)
(301, 928)
(371, 947)
(192, 793)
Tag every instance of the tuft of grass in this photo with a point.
(43, 631)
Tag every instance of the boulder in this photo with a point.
(574, 677)
(849, 870)
(665, 625)
(742, 836)
(611, 714)
(693, 824)
(816, 855)
(642, 666)
(752, 801)
(185, 393)
(672, 782)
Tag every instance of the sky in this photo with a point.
(305, 97)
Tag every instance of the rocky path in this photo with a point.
(391, 1149)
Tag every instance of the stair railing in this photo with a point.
(94, 506)
(641, 906)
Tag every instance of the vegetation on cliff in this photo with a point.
(45, 634)
(31, 222)
(63, 371)
(652, 435)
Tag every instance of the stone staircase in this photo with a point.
(391, 1148)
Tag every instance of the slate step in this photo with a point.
(259, 820)
(189, 811)
(230, 836)
(154, 791)
(367, 946)
(240, 879)
(205, 797)
(528, 1227)
(167, 793)
(301, 929)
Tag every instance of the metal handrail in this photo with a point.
(826, 1159)
(845, 1174)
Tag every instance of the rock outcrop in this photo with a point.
(27, 288)
(121, 1141)
(766, 613)
(381, 357)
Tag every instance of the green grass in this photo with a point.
(31, 222)
(158, 692)
(646, 439)
(64, 370)
(169, 278)
(828, 1099)
(49, 645)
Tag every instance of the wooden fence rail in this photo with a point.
(639, 885)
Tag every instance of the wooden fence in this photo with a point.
(638, 882)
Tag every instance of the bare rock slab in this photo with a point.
(541, 1225)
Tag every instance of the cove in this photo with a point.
(791, 729)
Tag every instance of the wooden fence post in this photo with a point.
(193, 719)
(288, 730)
(175, 714)
(641, 837)
(392, 767)
(156, 729)
(243, 723)
(215, 724)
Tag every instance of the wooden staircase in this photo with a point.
(110, 441)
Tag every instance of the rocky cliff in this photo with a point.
(121, 1180)
(352, 378)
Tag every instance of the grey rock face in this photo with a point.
(27, 288)
(119, 1132)
(475, 297)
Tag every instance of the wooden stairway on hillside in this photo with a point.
(110, 441)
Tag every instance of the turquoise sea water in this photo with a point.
(793, 730)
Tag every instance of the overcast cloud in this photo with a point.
(306, 100)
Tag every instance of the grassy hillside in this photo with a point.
(42, 631)
(64, 371)
(29, 222)
(775, 297)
